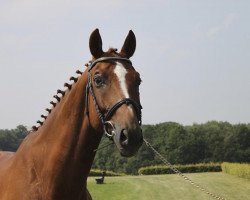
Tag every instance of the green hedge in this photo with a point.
(192, 168)
(237, 169)
(98, 172)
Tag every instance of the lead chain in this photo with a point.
(174, 169)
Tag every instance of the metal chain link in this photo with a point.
(175, 170)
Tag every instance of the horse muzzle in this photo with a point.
(128, 138)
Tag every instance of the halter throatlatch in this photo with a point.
(105, 117)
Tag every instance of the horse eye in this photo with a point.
(99, 81)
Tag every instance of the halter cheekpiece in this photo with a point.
(89, 89)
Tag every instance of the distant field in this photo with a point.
(172, 187)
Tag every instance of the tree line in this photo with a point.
(198, 143)
(11, 139)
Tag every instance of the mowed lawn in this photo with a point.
(172, 187)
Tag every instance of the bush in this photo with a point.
(192, 168)
(237, 169)
(98, 172)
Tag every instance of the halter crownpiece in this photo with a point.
(105, 117)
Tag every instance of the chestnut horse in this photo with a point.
(54, 160)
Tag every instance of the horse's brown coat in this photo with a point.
(53, 162)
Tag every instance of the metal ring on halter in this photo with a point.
(106, 132)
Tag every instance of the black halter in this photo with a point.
(105, 117)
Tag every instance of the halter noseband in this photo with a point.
(105, 117)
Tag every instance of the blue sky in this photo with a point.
(193, 56)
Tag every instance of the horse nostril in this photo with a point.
(124, 137)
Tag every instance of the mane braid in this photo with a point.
(58, 98)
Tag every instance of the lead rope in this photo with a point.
(104, 146)
(175, 170)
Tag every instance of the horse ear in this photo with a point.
(95, 44)
(129, 45)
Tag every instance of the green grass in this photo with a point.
(172, 187)
(238, 169)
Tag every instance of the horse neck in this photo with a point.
(62, 150)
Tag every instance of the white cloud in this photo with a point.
(225, 24)
(229, 19)
(213, 31)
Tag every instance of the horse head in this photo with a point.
(113, 84)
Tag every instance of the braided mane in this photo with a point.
(59, 95)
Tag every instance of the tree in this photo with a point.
(11, 139)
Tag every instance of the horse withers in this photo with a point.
(54, 160)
